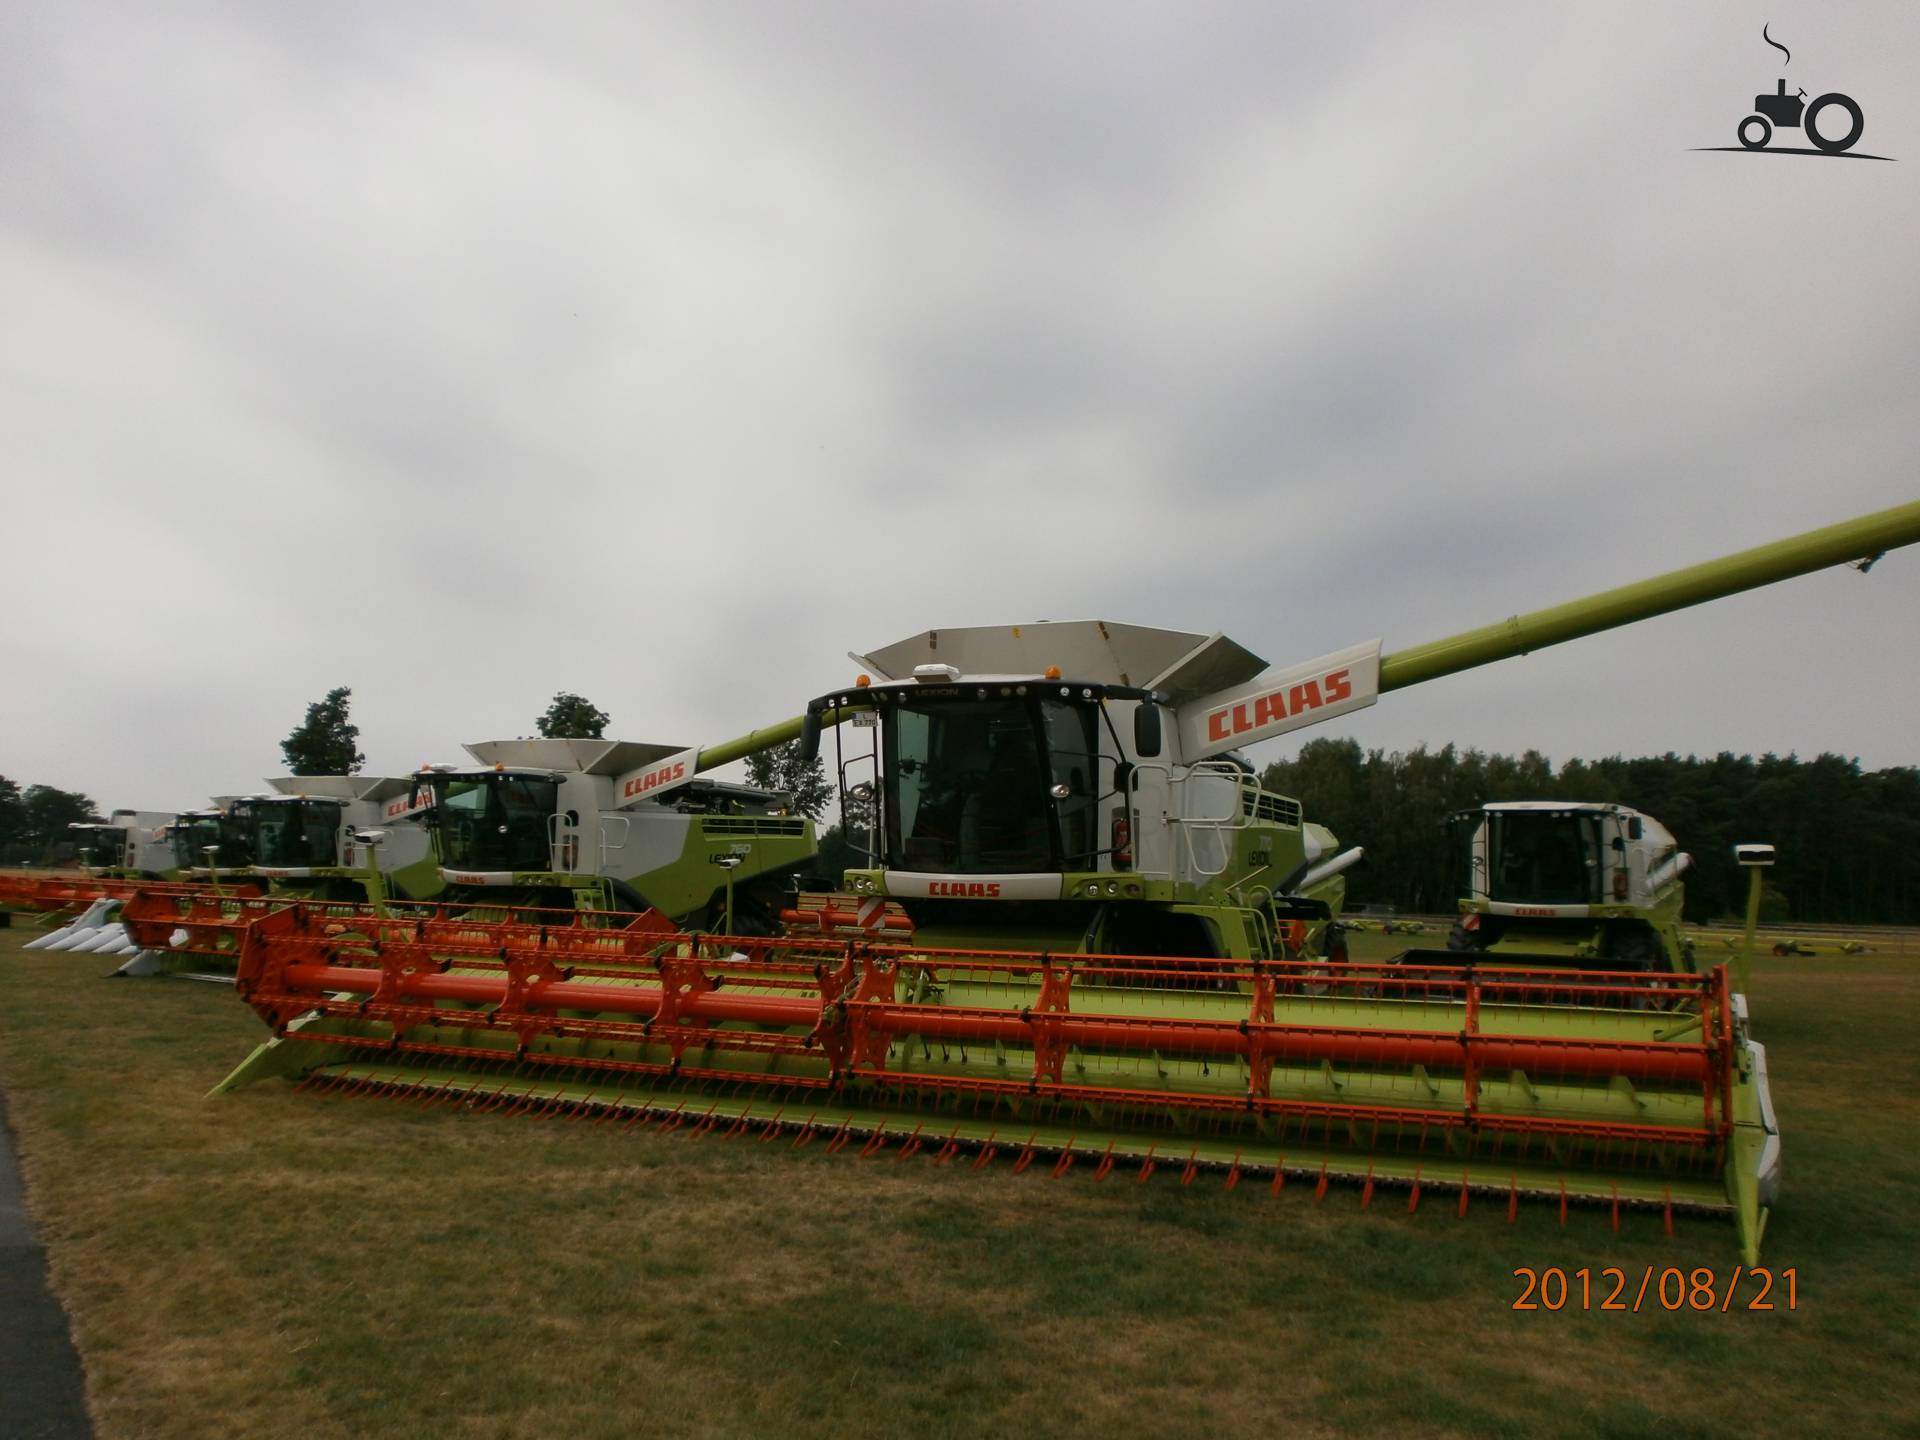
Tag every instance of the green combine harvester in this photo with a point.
(1123, 953)
(348, 839)
(1595, 887)
(614, 826)
(210, 843)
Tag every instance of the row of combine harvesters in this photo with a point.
(1083, 935)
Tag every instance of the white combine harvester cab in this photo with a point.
(129, 841)
(1549, 859)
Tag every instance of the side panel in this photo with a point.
(1279, 701)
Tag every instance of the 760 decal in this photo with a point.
(1657, 1288)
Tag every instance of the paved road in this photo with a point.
(41, 1396)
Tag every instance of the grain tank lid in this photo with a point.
(1103, 651)
(343, 788)
(591, 757)
(139, 819)
(1215, 664)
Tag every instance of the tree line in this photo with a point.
(1847, 840)
(34, 818)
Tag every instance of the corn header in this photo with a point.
(1123, 954)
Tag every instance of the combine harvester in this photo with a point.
(129, 845)
(614, 826)
(588, 832)
(1595, 887)
(343, 842)
(344, 839)
(133, 851)
(1114, 958)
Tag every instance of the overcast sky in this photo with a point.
(465, 353)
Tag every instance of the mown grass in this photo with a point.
(272, 1263)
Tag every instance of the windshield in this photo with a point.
(227, 834)
(98, 846)
(295, 834)
(495, 822)
(990, 786)
(191, 837)
(1543, 858)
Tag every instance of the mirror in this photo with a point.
(810, 737)
(1146, 730)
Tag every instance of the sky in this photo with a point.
(462, 354)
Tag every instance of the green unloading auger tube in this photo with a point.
(1864, 539)
(1621, 1088)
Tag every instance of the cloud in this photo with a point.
(664, 354)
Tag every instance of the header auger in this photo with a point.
(1123, 952)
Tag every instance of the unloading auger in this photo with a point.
(1114, 959)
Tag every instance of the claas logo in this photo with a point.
(973, 889)
(1231, 720)
(654, 779)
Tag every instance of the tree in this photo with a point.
(805, 782)
(49, 811)
(13, 815)
(325, 743)
(573, 717)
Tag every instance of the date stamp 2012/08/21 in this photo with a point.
(1657, 1287)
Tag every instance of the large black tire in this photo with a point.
(1462, 940)
(1846, 141)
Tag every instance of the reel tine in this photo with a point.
(1146, 1165)
(987, 1152)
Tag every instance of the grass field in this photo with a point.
(272, 1263)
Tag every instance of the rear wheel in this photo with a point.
(1811, 123)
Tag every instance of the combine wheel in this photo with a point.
(1337, 944)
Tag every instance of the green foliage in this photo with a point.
(781, 768)
(325, 742)
(1848, 841)
(13, 815)
(573, 717)
(36, 819)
